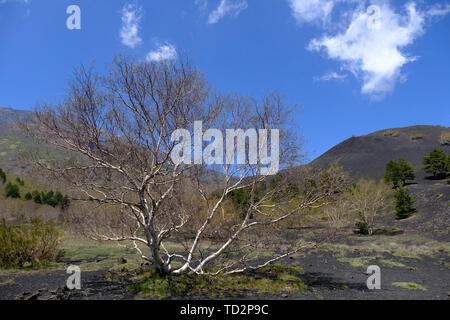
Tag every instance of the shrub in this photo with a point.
(391, 133)
(35, 243)
(445, 138)
(437, 163)
(362, 228)
(2, 176)
(20, 181)
(50, 198)
(369, 201)
(28, 196)
(417, 137)
(241, 198)
(12, 190)
(37, 197)
(404, 203)
(398, 172)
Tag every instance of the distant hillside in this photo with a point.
(366, 156)
(8, 117)
(13, 142)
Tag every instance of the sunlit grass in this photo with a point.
(409, 286)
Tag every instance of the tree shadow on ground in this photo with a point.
(326, 280)
(436, 178)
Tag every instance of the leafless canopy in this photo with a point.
(117, 131)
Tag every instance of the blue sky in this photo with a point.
(354, 66)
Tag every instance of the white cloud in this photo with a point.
(165, 51)
(311, 10)
(5, 1)
(331, 76)
(227, 7)
(129, 32)
(439, 10)
(372, 52)
(201, 4)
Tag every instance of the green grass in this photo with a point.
(29, 268)
(402, 246)
(13, 145)
(94, 255)
(409, 286)
(89, 256)
(274, 280)
(417, 137)
(359, 262)
(392, 263)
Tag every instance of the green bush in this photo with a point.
(35, 243)
(50, 198)
(12, 190)
(20, 181)
(28, 196)
(404, 204)
(241, 198)
(362, 228)
(36, 197)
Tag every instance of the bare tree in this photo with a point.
(118, 132)
(369, 201)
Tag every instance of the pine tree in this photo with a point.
(398, 172)
(437, 163)
(403, 203)
(12, 190)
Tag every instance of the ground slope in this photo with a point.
(366, 156)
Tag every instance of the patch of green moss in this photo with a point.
(417, 137)
(392, 263)
(274, 280)
(409, 286)
(357, 262)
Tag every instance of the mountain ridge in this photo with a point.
(366, 156)
(361, 157)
